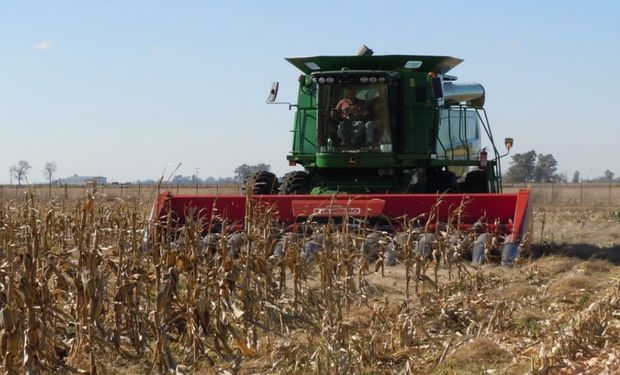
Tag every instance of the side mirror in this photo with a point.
(508, 142)
(273, 94)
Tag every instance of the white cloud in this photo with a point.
(43, 46)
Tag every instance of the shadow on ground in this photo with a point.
(580, 250)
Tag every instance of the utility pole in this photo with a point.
(196, 180)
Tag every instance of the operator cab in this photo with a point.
(354, 112)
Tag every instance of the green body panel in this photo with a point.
(413, 126)
(304, 133)
(360, 160)
(359, 180)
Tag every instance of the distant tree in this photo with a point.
(545, 169)
(49, 169)
(560, 178)
(20, 171)
(192, 180)
(183, 180)
(219, 180)
(608, 175)
(244, 171)
(225, 180)
(576, 177)
(522, 168)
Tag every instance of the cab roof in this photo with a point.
(437, 64)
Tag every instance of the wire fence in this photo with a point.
(572, 195)
(114, 191)
(559, 195)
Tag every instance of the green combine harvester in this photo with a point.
(408, 128)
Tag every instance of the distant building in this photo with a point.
(83, 180)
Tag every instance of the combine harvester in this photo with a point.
(385, 141)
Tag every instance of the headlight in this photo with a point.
(381, 79)
(321, 80)
(330, 79)
(372, 79)
(364, 79)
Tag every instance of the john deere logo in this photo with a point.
(352, 161)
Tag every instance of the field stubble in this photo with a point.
(81, 293)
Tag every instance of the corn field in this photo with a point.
(84, 288)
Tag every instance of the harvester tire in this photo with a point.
(475, 182)
(263, 182)
(441, 182)
(295, 182)
(452, 183)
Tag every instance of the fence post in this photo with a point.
(551, 196)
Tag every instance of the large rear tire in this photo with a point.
(475, 182)
(440, 181)
(262, 183)
(295, 182)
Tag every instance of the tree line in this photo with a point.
(20, 171)
(528, 167)
(531, 167)
(240, 175)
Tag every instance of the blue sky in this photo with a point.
(124, 89)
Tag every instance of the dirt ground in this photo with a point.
(578, 232)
